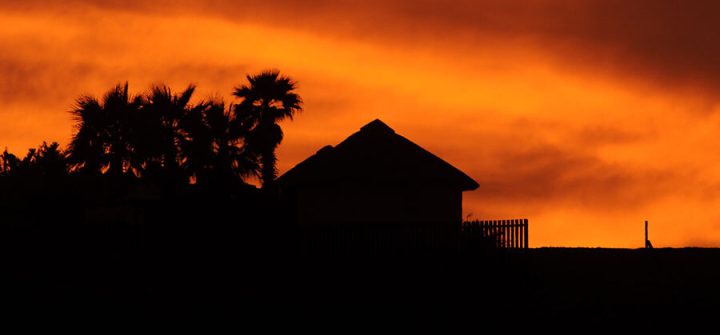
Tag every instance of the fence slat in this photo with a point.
(511, 233)
(406, 239)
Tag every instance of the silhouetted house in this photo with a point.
(375, 176)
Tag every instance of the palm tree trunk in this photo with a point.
(268, 172)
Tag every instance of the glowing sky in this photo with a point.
(586, 117)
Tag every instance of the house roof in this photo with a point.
(377, 154)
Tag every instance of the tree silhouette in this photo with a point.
(167, 111)
(105, 133)
(51, 161)
(8, 163)
(45, 164)
(163, 132)
(214, 145)
(266, 100)
(17, 168)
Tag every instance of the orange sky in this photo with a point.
(586, 117)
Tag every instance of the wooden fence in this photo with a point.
(501, 233)
(412, 239)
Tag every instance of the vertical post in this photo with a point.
(487, 230)
(525, 223)
(509, 234)
(495, 229)
(512, 233)
(518, 243)
(513, 228)
(504, 233)
(508, 244)
(501, 230)
(646, 234)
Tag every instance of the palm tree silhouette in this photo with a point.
(164, 114)
(213, 146)
(228, 134)
(104, 137)
(86, 149)
(267, 100)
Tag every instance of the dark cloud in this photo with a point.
(599, 135)
(39, 81)
(544, 174)
(668, 43)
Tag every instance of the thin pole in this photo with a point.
(646, 234)
(525, 222)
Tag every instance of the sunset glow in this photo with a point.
(586, 119)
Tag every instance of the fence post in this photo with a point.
(511, 228)
(506, 223)
(486, 228)
(496, 230)
(503, 228)
(525, 223)
(501, 234)
(505, 233)
(508, 239)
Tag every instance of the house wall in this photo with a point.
(377, 204)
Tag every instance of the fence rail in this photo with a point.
(411, 239)
(502, 233)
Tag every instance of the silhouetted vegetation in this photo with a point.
(157, 177)
(160, 135)
(164, 138)
(148, 212)
(268, 99)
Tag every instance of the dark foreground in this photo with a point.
(254, 281)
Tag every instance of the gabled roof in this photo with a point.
(377, 154)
